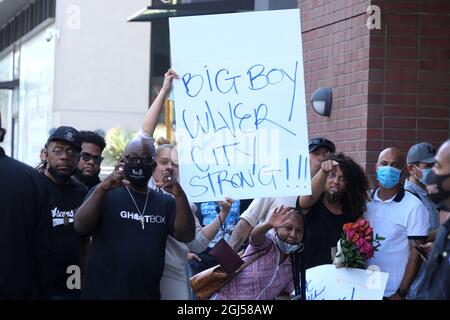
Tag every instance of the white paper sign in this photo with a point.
(240, 105)
(327, 282)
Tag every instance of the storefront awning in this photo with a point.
(9, 85)
(158, 12)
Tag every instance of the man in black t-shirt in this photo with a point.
(130, 224)
(62, 154)
(339, 195)
(25, 231)
(436, 282)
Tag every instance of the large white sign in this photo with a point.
(327, 282)
(240, 105)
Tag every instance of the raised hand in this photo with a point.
(171, 185)
(280, 216)
(160, 180)
(115, 178)
(168, 77)
(329, 166)
(225, 207)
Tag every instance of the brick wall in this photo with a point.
(409, 88)
(391, 87)
(336, 55)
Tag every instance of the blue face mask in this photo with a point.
(425, 173)
(388, 176)
(285, 247)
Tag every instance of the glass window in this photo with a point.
(6, 74)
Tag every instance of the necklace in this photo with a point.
(141, 214)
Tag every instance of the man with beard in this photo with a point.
(130, 224)
(436, 282)
(62, 154)
(91, 158)
(339, 196)
(25, 231)
(399, 217)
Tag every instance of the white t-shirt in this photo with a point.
(261, 209)
(396, 219)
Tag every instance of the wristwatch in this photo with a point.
(402, 293)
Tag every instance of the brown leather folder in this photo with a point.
(226, 256)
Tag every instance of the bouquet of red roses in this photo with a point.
(357, 245)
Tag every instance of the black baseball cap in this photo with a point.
(68, 135)
(316, 143)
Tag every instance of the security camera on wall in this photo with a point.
(51, 33)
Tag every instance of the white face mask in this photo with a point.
(285, 247)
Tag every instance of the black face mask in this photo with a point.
(58, 176)
(138, 174)
(438, 187)
(333, 197)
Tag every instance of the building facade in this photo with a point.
(388, 64)
(77, 63)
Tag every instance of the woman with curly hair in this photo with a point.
(339, 195)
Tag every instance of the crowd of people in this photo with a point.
(66, 234)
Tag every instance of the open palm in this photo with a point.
(280, 216)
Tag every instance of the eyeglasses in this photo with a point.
(88, 157)
(72, 153)
(135, 160)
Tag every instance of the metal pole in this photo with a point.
(168, 117)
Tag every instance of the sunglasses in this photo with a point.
(136, 160)
(88, 157)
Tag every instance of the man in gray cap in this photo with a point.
(420, 160)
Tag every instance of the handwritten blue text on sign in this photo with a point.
(241, 126)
